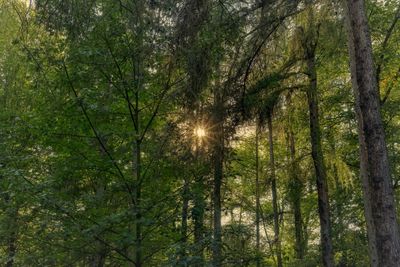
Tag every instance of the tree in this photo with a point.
(309, 45)
(380, 210)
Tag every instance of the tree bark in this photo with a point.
(100, 185)
(258, 260)
(218, 153)
(198, 208)
(277, 240)
(138, 197)
(198, 218)
(99, 259)
(11, 249)
(137, 58)
(296, 189)
(379, 203)
(12, 214)
(184, 220)
(318, 160)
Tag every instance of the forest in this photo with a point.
(146, 133)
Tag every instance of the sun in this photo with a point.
(200, 132)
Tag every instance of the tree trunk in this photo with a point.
(12, 214)
(274, 192)
(379, 203)
(198, 207)
(258, 262)
(296, 190)
(100, 184)
(137, 58)
(198, 218)
(218, 154)
(319, 164)
(99, 259)
(11, 249)
(184, 220)
(138, 197)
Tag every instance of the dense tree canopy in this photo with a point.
(199, 133)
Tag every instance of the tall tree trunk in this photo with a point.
(138, 197)
(318, 159)
(296, 190)
(258, 262)
(11, 249)
(184, 220)
(274, 192)
(218, 154)
(309, 44)
(100, 184)
(137, 154)
(137, 158)
(198, 207)
(137, 58)
(99, 256)
(198, 218)
(12, 215)
(99, 259)
(379, 203)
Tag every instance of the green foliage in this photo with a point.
(85, 85)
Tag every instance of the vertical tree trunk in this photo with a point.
(198, 209)
(218, 154)
(379, 203)
(11, 249)
(274, 192)
(99, 259)
(184, 219)
(296, 190)
(12, 215)
(258, 262)
(198, 218)
(137, 26)
(137, 154)
(318, 159)
(138, 197)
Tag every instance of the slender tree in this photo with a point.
(295, 187)
(258, 245)
(218, 159)
(277, 240)
(309, 44)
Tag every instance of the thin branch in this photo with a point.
(389, 90)
(75, 220)
(384, 46)
(157, 107)
(96, 133)
(126, 96)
